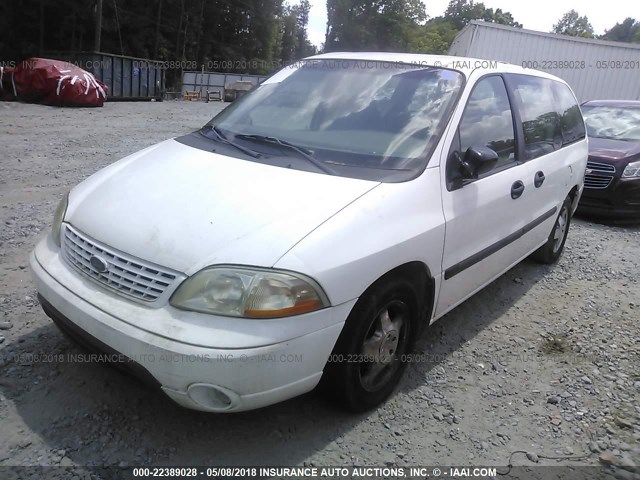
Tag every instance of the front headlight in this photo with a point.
(58, 217)
(249, 293)
(632, 170)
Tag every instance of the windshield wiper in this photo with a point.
(221, 137)
(283, 143)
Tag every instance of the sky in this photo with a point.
(535, 15)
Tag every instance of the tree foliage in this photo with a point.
(295, 40)
(461, 12)
(627, 31)
(402, 25)
(372, 25)
(239, 32)
(435, 36)
(254, 36)
(498, 16)
(573, 24)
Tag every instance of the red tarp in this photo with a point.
(51, 82)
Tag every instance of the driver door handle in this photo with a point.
(538, 180)
(517, 189)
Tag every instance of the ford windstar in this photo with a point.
(310, 231)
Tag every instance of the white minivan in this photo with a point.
(310, 231)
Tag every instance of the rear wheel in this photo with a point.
(370, 355)
(550, 252)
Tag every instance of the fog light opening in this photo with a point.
(213, 397)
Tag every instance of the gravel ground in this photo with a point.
(544, 360)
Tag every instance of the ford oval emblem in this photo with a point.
(99, 264)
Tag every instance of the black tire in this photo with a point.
(365, 347)
(551, 251)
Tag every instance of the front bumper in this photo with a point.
(620, 200)
(256, 372)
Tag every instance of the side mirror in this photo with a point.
(476, 161)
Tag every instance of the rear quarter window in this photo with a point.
(571, 121)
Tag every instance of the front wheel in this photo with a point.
(370, 354)
(550, 252)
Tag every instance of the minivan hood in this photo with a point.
(185, 208)
(611, 149)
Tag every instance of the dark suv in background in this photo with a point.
(612, 180)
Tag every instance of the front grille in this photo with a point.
(596, 181)
(124, 274)
(600, 175)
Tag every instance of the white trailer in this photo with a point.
(595, 69)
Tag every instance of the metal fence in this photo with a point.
(214, 81)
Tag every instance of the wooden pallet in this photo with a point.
(191, 95)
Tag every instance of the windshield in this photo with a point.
(372, 120)
(616, 123)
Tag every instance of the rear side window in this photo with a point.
(487, 120)
(540, 120)
(571, 122)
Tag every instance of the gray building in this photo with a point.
(595, 69)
